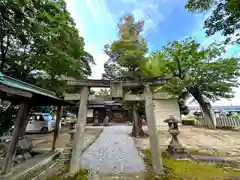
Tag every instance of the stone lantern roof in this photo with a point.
(172, 120)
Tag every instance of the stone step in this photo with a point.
(66, 156)
(64, 161)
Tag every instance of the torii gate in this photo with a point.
(117, 93)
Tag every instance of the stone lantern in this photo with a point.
(174, 148)
(106, 119)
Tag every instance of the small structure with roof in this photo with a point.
(26, 96)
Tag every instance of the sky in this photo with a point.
(165, 21)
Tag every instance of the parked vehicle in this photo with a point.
(41, 122)
(69, 118)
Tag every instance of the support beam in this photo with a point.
(57, 130)
(152, 130)
(19, 122)
(76, 97)
(15, 91)
(106, 83)
(78, 143)
(127, 97)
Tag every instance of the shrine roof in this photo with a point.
(19, 88)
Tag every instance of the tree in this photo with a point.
(156, 66)
(125, 55)
(112, 70)
(103, 94)
(41, 46)
(204, 73)
(225, 16)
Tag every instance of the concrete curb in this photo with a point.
(29, 172)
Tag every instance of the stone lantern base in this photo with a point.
(177, 151)
(106, 124)
(96, 124)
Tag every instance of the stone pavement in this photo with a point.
(113, 152)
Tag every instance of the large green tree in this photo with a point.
(224, 18)
(125, 54)
(204, 73)
(40, 44)
(155, 66)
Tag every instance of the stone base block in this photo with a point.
(96, 124)
(177, 151)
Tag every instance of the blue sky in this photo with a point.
(165, 21)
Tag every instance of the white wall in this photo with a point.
(90, 113)
(164, 108)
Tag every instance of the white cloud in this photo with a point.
(73, 11)
(92, 8)
(146, 10)
(71, 8)
(99, 57)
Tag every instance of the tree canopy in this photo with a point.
(204, 73)
(126, 53)
(224, 18)
(40, 43)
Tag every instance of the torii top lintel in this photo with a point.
(107, 83)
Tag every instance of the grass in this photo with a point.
(189, 170)
(81, 175)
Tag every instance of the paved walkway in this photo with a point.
(113, 152)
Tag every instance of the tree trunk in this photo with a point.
(140, 129)
(57, 129)
(137, 130)
(207, 110)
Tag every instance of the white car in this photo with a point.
(41, 122)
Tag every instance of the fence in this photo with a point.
(228, 122)
(224, 122)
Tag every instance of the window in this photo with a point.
(47, 117)
(38, 118)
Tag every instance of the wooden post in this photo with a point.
(29, 113)
(56, 130)
(152, 131)
(19, 123)
(78, 144)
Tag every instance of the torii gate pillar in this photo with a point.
(78, 144)
(152, 131)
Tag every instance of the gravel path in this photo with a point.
(113, 152)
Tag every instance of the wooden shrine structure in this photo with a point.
(26, 96)
(117, 93)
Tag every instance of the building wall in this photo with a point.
(90, 113)
(164, 108)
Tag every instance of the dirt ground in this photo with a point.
(44, 141)
(218, 142)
